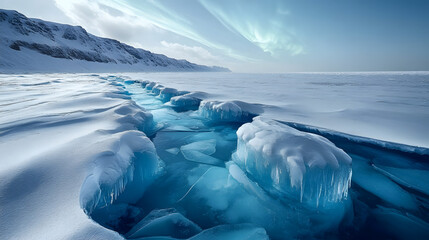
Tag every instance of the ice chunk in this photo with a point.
(229, 111)
(167, 93)
(156, 90)
(164, 222)
(173, 151)
(200, 151)
(144, 83)
(233, 232)
(128, 82)
(189, 101)
(123, 172)
(293, 164)
(199, 157)
(206, 146)
(150, 85)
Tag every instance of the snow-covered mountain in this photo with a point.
(34, 45)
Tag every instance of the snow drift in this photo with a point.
(79, 140)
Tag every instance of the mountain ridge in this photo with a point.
(27, 43)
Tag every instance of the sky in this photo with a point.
(258, 36)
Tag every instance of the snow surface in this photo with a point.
(55, 133)
(389, 106)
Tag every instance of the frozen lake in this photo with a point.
(387, 106)
(142, 160)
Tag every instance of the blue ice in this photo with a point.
(164, 222)
(229, 175)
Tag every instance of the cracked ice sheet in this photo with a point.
(236, 194)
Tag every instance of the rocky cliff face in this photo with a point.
(26, 41)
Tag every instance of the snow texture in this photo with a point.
(66, 139)
(290, 163)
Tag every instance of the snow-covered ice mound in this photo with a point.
(149, 85)
(229, 111)
(144, 83)
(156, 90)
(293, 164)
(167, 93)
(188, 101)
(123, 172)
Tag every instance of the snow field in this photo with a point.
(62, 135)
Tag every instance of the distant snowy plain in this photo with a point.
(390, 106)
(143, 159)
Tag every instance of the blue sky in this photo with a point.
(258, 36)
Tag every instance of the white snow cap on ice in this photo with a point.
(292, 163)
(229, 111)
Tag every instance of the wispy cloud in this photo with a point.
(264, 26)
(190, 53)
(237, 30)
(102, 19)
(167, 18)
